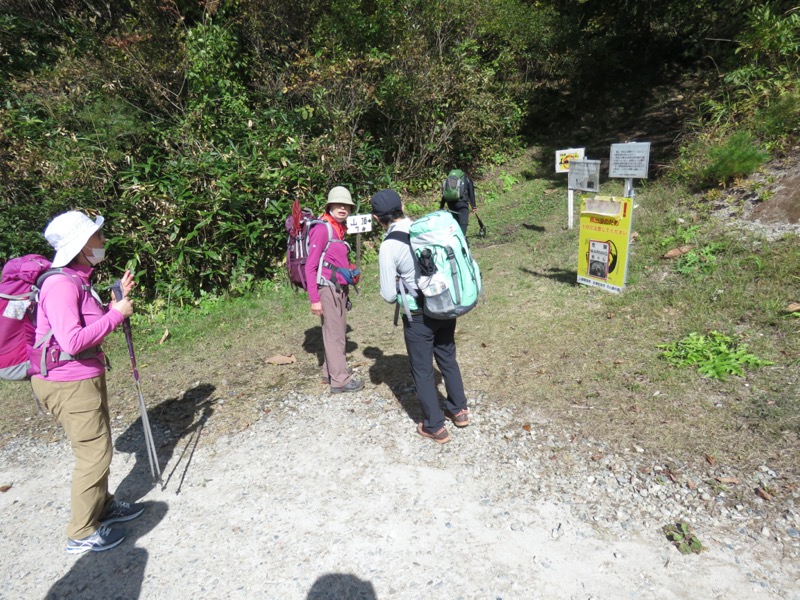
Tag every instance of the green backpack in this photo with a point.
(449, 278)
(453, 186)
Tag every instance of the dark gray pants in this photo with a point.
(427, 339)
(460, 212)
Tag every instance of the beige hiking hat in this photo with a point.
(340, 195)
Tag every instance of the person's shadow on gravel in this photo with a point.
(171, 421)
(341, 586)
(395, 372)
(312, 344)
(117, 573)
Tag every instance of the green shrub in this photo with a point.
(708, 161)
(739, 156)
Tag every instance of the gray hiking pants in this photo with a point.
(334, 334)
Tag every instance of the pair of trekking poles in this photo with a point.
(152, 457)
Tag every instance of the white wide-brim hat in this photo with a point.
(68, 234)
(340, 195)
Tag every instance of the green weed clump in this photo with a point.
(699, 261)
(715, 355)
(682, 537)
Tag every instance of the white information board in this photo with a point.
(563, 157)
(629, 161)
(359, 223)
(584, 175)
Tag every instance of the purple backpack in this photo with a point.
(298, 225)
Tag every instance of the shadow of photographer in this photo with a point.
(341, 586)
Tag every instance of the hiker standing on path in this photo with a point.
(71, 323)
(458, 193)
(426, 338)
(328, 275)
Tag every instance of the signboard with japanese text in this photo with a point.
(605, 233)
(629, 161)
(564, 156)
(584, 175)
(359, 223)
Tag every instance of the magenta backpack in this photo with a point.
(298, 225)
(18, 313)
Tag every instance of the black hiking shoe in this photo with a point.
(104, 538)
(117, 512)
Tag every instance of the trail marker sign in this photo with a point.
(359, 223)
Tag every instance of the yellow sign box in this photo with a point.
(605, 234)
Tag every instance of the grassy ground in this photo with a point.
(553, 352)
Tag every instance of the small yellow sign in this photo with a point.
(605, 234)
(564, 156)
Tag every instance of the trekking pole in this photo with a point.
(152, 457)
(482, 230)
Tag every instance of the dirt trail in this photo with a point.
(337, 497)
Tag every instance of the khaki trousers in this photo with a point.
(334, 334)
(81, 408)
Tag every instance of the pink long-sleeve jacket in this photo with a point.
(61, 305)
(337, 254)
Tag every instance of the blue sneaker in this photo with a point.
(118, 512)
(104, 538)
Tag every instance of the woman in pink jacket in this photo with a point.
(69, 375)
(328, 289)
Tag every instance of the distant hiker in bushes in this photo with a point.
(458, 194)
(68, 375)
(329, 276)
(426, 338)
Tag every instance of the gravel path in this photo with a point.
(337, 497)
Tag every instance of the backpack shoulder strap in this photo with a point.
(320, 279)
(400, 236)
(82, 287)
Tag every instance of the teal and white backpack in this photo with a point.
(449, 278)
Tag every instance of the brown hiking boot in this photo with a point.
(459, 419)
(440, 437)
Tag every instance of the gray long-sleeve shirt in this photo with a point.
(394, 258)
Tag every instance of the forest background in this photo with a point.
(192, 126)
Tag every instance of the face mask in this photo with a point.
(98, 255)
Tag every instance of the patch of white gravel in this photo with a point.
(337, 497)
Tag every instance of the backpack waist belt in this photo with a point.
(333, 281)
(57, 355)
(89, 353)
(82, 355)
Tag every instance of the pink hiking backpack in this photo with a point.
(18, 294)
(20, 355)
(298, 225)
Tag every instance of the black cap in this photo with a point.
(384, 202)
